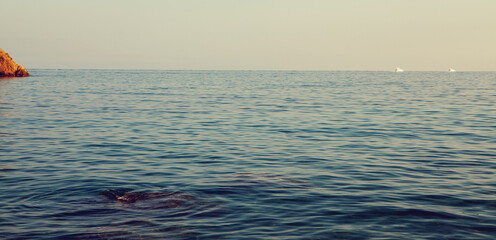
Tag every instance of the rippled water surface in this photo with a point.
(248, 155)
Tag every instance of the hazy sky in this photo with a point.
(251, 34)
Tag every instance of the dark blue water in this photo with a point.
(248, 155)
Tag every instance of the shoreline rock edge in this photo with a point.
(9, 68)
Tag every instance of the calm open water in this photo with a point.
(253, 155)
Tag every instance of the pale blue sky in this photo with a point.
(251, 34)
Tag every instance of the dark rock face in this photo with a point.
(9, 68)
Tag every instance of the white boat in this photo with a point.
(451, 70)
(398, 70)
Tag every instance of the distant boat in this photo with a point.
(451, 70)
(398, 70)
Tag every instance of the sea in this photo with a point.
(152, 154)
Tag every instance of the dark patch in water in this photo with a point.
(162, 199)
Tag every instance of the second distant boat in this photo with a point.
(398, 70)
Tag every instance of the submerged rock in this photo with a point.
(162, 199)
(123, 196)
(9, 68)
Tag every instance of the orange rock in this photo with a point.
(9, 68)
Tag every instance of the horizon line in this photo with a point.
(281, 70)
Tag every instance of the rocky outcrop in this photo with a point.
(9, 68)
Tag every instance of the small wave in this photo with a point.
(86, 212)
(394, 212)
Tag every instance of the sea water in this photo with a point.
(262, 154)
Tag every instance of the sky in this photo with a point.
(377, 35)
